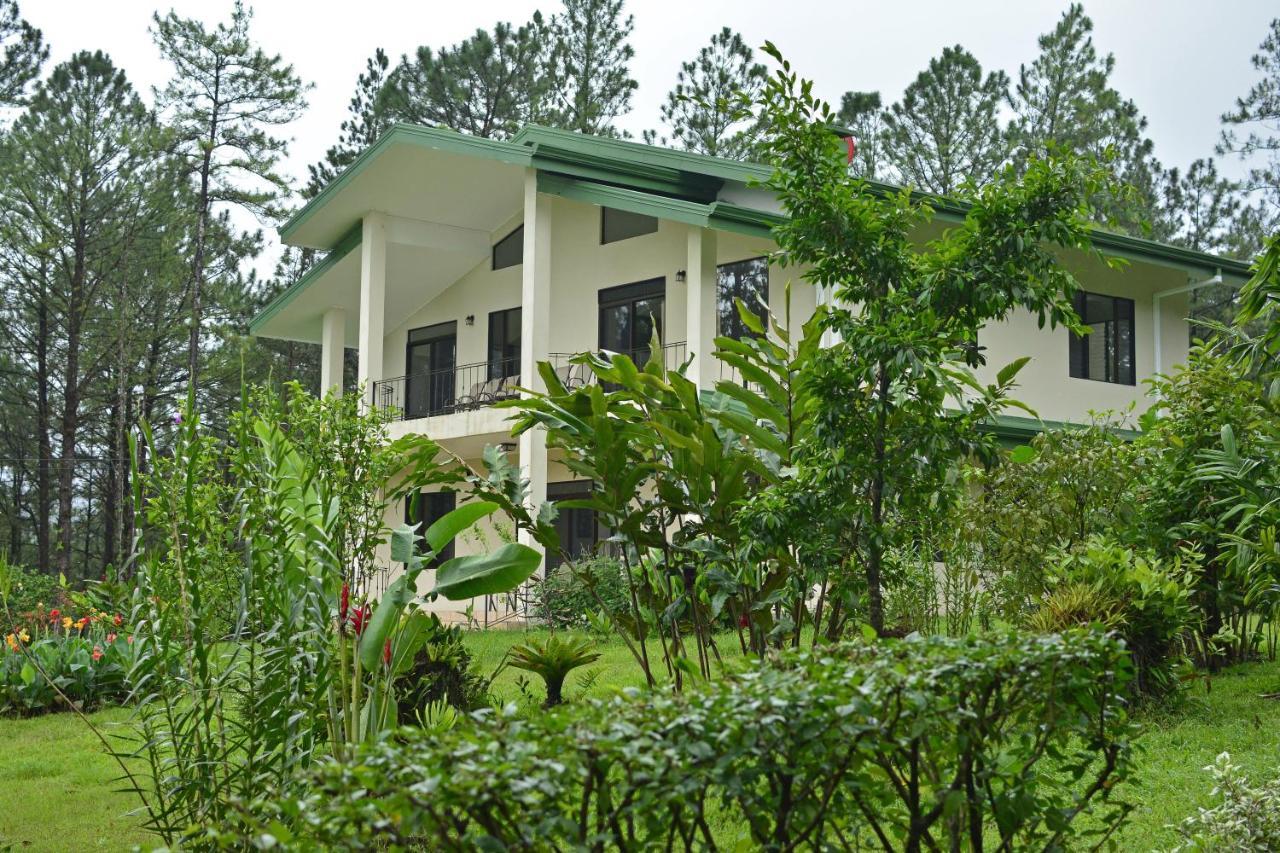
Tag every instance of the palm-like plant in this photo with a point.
(552, 660)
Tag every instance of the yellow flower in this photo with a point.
(12, 642)
(66, 622)
(24, 636)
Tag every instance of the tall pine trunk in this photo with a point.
(44, 475)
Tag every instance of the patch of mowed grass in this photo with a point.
(58, 788)
(1224, 714)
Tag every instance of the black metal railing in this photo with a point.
(442, 392)
(577, 375)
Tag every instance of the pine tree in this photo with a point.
(225, 98)
(1064, 100)
(594, 83)
(365, 122)
(1259, 110)
(490, 84)
(946, 129)
(22, 52)
(708, 111)
(1199, 208)
(862, 114)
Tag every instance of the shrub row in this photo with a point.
(915, 744)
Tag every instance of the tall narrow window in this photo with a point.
(629, 315)
(579, 530)
(1107, 352)
(509, 251)
(425, 509)
(430, 359)
(623, 225)
(747, 281)
(504, 343)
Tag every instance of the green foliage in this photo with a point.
(946, 130)
(702, 111)
(576, 591)
(592, 83)
(1193, 491)
(438, 673)
(1043, 497)
(1258, 111)
(921, 744)
(896, 403)
(22, 592)
(47, 664)
(1246, 818)
(552, 660)
(1145, 601)
(23, 52)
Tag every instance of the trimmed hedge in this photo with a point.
(908, 745)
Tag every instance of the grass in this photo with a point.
(57, 793)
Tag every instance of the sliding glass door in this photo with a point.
(629, 315)
(430, 358)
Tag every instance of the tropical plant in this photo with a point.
(1246, 817)
(438, 674)
(54, 661)
(552, 660)
(995, 743)
(576, 592)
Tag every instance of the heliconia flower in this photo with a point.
(386, 653)
(97, 653)
(743, 621)
(359, 616)
(344, 602)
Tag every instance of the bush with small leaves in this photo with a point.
(1246, 818)
(916, 744)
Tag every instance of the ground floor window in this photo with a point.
(424, 510)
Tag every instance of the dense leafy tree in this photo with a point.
(490, 84)
(365, 122)
(592, 82)
(946, 128)
(22, 52)
(1259, 110)
(863, 115)
(704, 111)
(1064, 100)
(225, 98)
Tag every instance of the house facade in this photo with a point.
(453, 264)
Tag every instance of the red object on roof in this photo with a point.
(853, 147)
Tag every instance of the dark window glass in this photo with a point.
(579, 530)
(504, 343)
(629, 315)
(425, 509)
(747, 281)
(1107, 352)
(509, 251)
(430, 359)
(623, 225)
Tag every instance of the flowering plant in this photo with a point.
(51, 658)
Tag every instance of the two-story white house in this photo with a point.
(454, 264)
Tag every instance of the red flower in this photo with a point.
(118, 621)
(97, 653)
(344, 604)
(743, 621)
(54, 614)
(359, 618)
(386, 653)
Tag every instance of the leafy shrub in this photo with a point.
(61, 659)
(933, 743)
(564, 599)
(552, 660)
(1247, 818)
(440, 673)
(1146, 601)
(23, 591)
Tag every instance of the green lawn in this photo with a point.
(57, 790)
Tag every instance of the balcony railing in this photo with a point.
(442, 392)
(577, 375)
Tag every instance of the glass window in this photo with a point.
(504, 343)
(1106, 353)
(622, 225)
(629, 315)
(509, 251)
(747, 281)
(580, 532)
(425, 509)
(430, 360)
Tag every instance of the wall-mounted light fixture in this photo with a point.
(471, 319)
(507, 446)
(679, 275)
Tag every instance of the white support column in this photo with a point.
(333, 338)
(535, 330)
(373, 287)
(700, 306)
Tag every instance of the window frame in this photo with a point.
(493, 254)
(629, 294)
(604, 211)
(1078, 345)
(489, 349)
(763, 312)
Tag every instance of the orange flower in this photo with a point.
(84, 620)
(97, 653)
(12, 642)
(117, 620)
(66, 622)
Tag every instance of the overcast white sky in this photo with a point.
(1183, 62)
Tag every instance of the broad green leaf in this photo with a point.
(1022, 453)
(487, 574)
(1010, 370)
(385, 618)
(440, 534)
